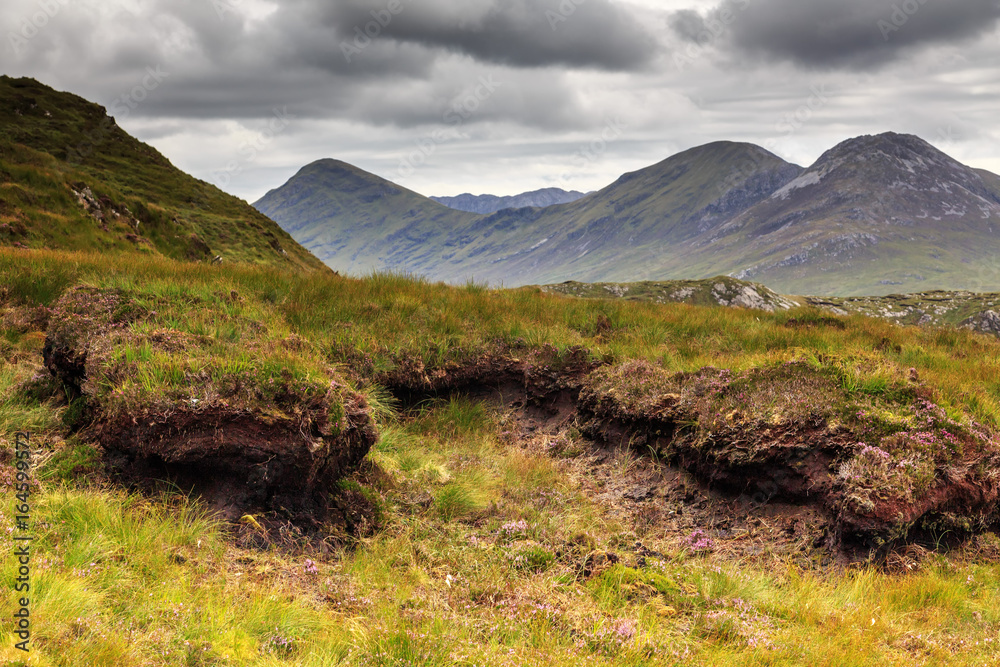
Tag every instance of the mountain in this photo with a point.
(874, 215)
(885, 213)
(485, 204)
(357, 222)
(71, 179)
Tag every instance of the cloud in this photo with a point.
(561, 81)
(418, 59)
(827, 34)
(597, 34)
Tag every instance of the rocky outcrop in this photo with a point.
(987, 322)
(750, 296)
(722, 291)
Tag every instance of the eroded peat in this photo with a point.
(852, 472)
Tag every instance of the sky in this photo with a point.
(505, 96)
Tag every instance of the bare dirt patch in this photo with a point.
(760, 461)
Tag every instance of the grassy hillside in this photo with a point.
(484, 529)
(719, 291)
(930, 309)
(71, 179)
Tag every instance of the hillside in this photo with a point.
(71, 179)
(875, 215)
(485, 204)
(357, 222)
(720, 291)
(975, 311)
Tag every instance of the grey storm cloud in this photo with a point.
(418, 59)
(521, 33)
(852, 34)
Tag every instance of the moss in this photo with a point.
(77, 413)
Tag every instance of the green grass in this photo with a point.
(483, 535)
(376, 324)
(123, 580)
(54, 143)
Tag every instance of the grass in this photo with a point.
(379, 322)
(484, 540)
(123, 580)
(54, 145)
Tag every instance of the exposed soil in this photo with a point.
(238, 462)
(283, 457)
(753, 486)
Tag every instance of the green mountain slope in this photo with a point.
(638, 228)
(356, 221)
(71, 179)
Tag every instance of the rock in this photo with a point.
(987, 322)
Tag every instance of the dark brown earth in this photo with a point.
(239, 458)
(239, 461)
(755, 486)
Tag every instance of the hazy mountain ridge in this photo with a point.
(648, 211)
(874, 215)
(486, 204)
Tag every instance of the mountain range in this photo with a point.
(485, 204)
(874, 215)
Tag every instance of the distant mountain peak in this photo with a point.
(486, 204)
(886, 145)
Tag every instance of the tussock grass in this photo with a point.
(387, 317)
(483, 543)
(123, 580)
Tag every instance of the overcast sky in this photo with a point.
(504, 96)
